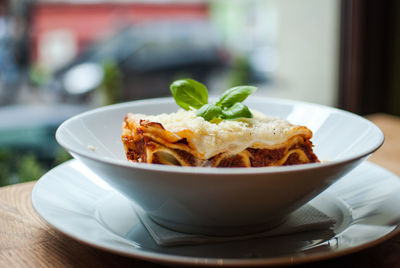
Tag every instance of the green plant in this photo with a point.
(111, 86)
(240, 73)
(4, 167)
(19, 166)
(61, 156)
(29, 168)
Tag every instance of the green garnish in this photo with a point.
(209, 112)
(238, 110)
(190, 94)
(235, 95)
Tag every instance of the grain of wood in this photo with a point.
(28, 241)
(388, 156)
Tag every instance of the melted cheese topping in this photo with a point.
(231, 136)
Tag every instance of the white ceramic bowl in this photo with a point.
(221, 201)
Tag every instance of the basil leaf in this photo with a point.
(234, 95)
(189, 93)
(238, 110)
(216, 120)
(209, 112)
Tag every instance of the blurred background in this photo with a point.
(60, 58)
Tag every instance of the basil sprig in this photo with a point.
(235, 95)
(190, 94)
(209, 112)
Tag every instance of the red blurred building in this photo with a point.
(83, 23)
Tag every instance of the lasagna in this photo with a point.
(184, 139)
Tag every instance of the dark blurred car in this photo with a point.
(149, 56)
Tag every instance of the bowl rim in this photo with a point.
(214, 170)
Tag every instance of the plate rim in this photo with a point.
(165, 258)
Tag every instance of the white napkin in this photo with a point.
(306, 218)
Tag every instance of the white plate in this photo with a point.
(364, 203)
(174, 195)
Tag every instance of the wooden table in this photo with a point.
(28, 241)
